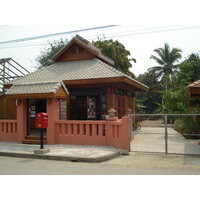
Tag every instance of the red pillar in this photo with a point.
(52, 111)
(21, 120)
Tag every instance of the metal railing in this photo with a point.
(162, 137)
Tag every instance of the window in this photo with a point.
(120, 92)
(130, 103)
(81, 50)
(73, 51)
(62, 109)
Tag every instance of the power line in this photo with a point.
(159, 31)
(55, 34)
(120, 34)
(110, 27)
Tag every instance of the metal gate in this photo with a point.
(165, 133)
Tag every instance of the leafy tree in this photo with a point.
(176, 99)
(117, 52)
(153, 97)
(112, 49)
(194, 61)
(50, 49)
(167, 59)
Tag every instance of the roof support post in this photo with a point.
(52, 111)
(21, 120)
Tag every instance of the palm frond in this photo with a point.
(158, 60)
(166, 59)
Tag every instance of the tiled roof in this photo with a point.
(35, 88)
(41, 80)
(195, 84)
(75, 70)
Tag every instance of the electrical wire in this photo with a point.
(112, 34)
(55, 34)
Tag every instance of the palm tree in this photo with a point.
(166, 59)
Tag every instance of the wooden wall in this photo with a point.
(8, 109)
(74, 53)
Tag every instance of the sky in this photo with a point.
(140, 40)
(39, 17)
(142, 26)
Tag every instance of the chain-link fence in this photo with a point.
(166, 133)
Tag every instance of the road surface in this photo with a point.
(23, 166)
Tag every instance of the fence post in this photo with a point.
(125, 134)
(166, 136)
(109, 129)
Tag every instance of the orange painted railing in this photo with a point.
(81, 132)
(8, 130)
(112, 132)
(103, 133)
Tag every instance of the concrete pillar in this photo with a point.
(125, 139)
(52, 111)
(21, 120)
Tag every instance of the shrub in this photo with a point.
(189, 125)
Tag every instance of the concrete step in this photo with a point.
(33, 140)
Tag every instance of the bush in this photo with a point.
(189, 125)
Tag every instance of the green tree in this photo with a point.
(117, 52)
(167, 59)
(176, 99)
(153, 97)
(194, 61)
(49, 50)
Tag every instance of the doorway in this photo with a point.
(34, 106)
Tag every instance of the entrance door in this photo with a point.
(81, 108)
(34, 106)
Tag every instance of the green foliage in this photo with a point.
(176, 98)
(50, 49)
(189, 124)
(193, 60)
(112, 49)
(117, 52)
(153, 95)
(170, 95)
(166, 58)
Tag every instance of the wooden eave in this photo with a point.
(123, 79)
(8, 86)
(194, 92)
(30, 96)
(36, 96)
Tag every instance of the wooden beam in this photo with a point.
(137, 86)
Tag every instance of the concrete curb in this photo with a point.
(61, 158)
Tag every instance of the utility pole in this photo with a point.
(4, 76)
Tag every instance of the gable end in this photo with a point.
(75, 52)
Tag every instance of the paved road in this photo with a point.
(118, 166)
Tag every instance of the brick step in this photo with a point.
(33, 140)
(34, 137)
